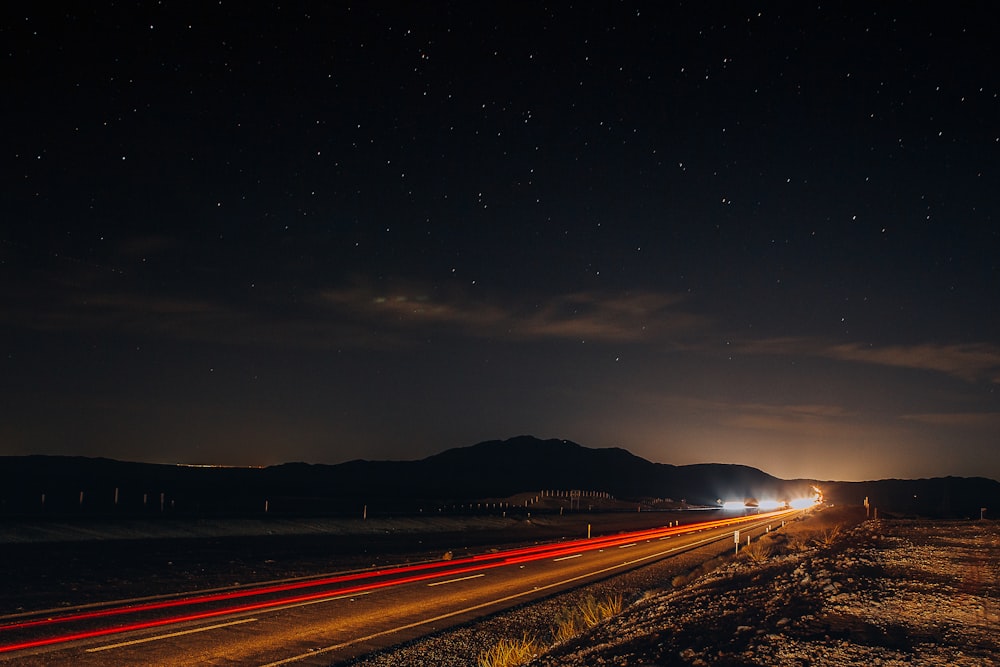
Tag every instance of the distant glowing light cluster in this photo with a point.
(769, 505)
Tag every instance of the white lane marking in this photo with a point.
(168, 636)
(666, 538)
(483, 605)
(451, 581)
(626, 546)
(319, 601)
(554, 560)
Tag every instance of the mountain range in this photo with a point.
(494, 470)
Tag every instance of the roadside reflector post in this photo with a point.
(588, 531)
(736, 539)
(748, 540)
(364, 513)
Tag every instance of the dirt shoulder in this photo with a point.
(881, 593)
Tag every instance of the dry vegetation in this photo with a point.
(569, 623)
(510, 652)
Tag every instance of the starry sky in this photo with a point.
(757, 233)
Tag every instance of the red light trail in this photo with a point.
(364, 582)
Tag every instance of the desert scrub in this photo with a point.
(757, 552)
(828, 536)
(510, 652)
(588, 613)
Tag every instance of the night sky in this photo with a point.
(712, 232)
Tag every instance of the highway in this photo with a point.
(321, 620)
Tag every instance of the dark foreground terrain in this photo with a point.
(828, 590)
(67, 564)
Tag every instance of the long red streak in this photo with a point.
(465, 565)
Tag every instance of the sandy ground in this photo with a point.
(883, 593)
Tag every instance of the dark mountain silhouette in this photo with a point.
(34, 485)
(960, 497)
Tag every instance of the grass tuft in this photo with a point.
(510, 652)
(757, 552)
(589, 612)
(829, 535)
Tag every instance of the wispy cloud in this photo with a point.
(958, 419)
(352, 316)
(968, 361)
(805, 420)
(581, 315)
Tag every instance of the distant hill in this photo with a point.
(952, 497)
(494, 469)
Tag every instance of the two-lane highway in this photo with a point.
(319, 620)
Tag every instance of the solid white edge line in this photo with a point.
(168, 636)
(451, 581)
(223, 625)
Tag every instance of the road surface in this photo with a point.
(325, 619)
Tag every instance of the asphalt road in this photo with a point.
(321, 620)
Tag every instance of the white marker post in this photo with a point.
(736, 539)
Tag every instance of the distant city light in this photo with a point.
(216, 465)
(733, 505)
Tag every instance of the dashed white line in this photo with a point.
(451, 581)
(626, 546)
(566, 557)
(168, 636)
